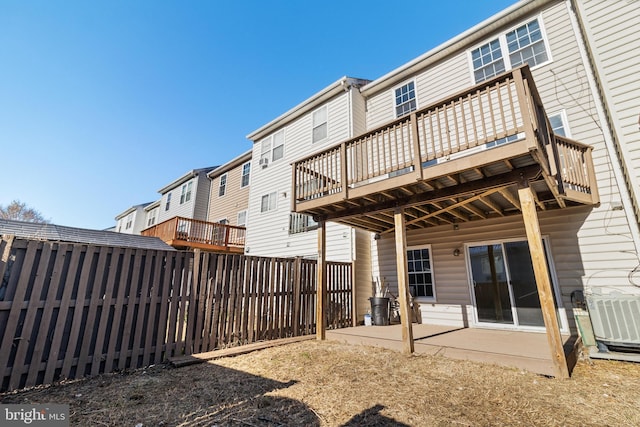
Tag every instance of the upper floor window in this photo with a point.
(242, 218)
(524, 45)
(152, 219)
(405, 97)
(185, 195)
(168, 204)
(222, 188)
(268, 202)
(272, 148)
(320, 124)
(246, 173)
(129, 221)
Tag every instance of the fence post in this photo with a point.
(297, 274)
(417, 155)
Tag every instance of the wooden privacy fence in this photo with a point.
(72, 310)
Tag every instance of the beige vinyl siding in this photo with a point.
(612, 32)
(591, 246)
(358, 106)
(201, 196)
(582, 258)
(236, 198)
(268, 232)
(363, 277)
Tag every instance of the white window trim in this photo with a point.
(502, 39)
(275, 196)
(226, 184)
(565, 122)
(433, 276)
(564, 328)
(393, 97)
(246, 217)
(314, 126)
(242, 174)
(270, 139)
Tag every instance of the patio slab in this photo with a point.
(517, 349)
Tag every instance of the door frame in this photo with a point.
(562, 314)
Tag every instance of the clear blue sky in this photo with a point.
(102, 103)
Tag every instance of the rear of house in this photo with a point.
(492, 151)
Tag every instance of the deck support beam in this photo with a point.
(543, 283)
(403, 281)
(321, 295)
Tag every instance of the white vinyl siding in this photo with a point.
(268, 233)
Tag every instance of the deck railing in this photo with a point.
(493, 112)
(180, 231)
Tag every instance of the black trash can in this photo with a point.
(379, 310)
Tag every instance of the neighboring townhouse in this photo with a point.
(229, 198)
(186, 197)
(151, 213)
(132, 221)
(489, 161)
(330, 116)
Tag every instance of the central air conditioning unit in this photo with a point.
(264, 162)
(615, 318)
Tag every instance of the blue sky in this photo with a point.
(102, 103)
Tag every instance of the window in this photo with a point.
(420, 272)
(166, 207)
(558, 124)
(268, 202)
(222, 189)
(278, 146)
(246, 171)
(299, 223)
(319, 125)
(405, 97)
(151, 217)
(185, 196)
(129, 221)
(272, 148)
(242, 218)
(524, 45)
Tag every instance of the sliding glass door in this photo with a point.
(503, 284)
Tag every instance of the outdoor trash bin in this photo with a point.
(379, 310)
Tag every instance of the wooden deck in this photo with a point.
(186, 233)
(522, 350)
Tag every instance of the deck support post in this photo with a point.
(541, 272)
(403, 281)
(321, 295)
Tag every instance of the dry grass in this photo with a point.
(330, 384)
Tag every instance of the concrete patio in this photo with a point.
(522, 350)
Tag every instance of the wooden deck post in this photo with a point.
(321, 295)
(541, 272)
(403, 280)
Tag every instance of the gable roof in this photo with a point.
(233, 163)
(59, 233)
(186, 177)
(304, 107)
(132, 209)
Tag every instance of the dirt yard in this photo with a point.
(329, 384)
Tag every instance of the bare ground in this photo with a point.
(330, 384)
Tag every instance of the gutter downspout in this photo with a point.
(604, 122)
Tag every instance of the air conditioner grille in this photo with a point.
(615, 318)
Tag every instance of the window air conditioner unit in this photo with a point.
(264, 163)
